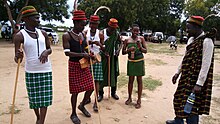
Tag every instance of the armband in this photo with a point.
(66, 50)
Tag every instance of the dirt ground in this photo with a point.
(156, 105)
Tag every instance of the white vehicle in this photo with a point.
(125, 35)
(51, 33)
(158, 37)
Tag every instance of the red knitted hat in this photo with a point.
(79, 15)
(196, 19)
(94, 18)
(113, 23)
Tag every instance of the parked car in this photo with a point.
(125, 35)
(158, 37)
(147, 36)
(54, 38)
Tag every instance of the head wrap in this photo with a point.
(94, 19)
(28, 11)
(196, 19)
(79, 15)
(113, 23)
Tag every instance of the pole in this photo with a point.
(109, 75)
(15, 89)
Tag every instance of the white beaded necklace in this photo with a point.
(75, 33)
(33, 32)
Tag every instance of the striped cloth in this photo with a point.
(191, 66)
(39, 87)
(79, 79)
(97, 71)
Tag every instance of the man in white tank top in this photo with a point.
(38, 71)
(92, 36)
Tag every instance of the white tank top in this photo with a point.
(94, 48)
(32, 63)
(105, 35)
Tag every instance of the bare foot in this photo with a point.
(128, 101)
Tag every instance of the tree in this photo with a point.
(49, 9)
(208, 9)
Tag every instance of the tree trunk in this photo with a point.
(9, 14)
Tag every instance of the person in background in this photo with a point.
(109, 37)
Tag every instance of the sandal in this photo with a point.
(95, 108)
(138, 105)
(75, 119)
(128, 101)
(84, 111)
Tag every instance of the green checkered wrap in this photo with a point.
(39, 87)
(97, 69)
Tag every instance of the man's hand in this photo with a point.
(44, 56)
(86, 55)
(19, 55)
(175, 78)
(197, 89)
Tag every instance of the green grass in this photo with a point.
(148, 83)
(161, 49)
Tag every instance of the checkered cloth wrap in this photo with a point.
(97, 71)
(79, 79)
(191, 66)
(39, 87)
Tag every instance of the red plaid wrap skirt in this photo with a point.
(79, 79)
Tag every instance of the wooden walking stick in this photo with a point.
(96, 99)
(15, 89)
(109, 76)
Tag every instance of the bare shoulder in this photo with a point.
(66, 36)
(44, 32)
(18, 37)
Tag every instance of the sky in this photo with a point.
(67, 22)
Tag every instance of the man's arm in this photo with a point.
(207, 54)
(18, 40)
(66, 47)
(44, 55)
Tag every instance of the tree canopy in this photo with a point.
(49, 9)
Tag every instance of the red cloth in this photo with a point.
(79, 79)
(79, 15)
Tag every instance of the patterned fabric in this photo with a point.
(39, 87)
(97, 71)
(191, 66)
(79, 79)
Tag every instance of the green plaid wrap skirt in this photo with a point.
(39, 88)
(97, 71)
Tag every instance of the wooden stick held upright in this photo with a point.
(109, 76)
(96, 99)
(15, 89)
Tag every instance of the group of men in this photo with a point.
(196, 67)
